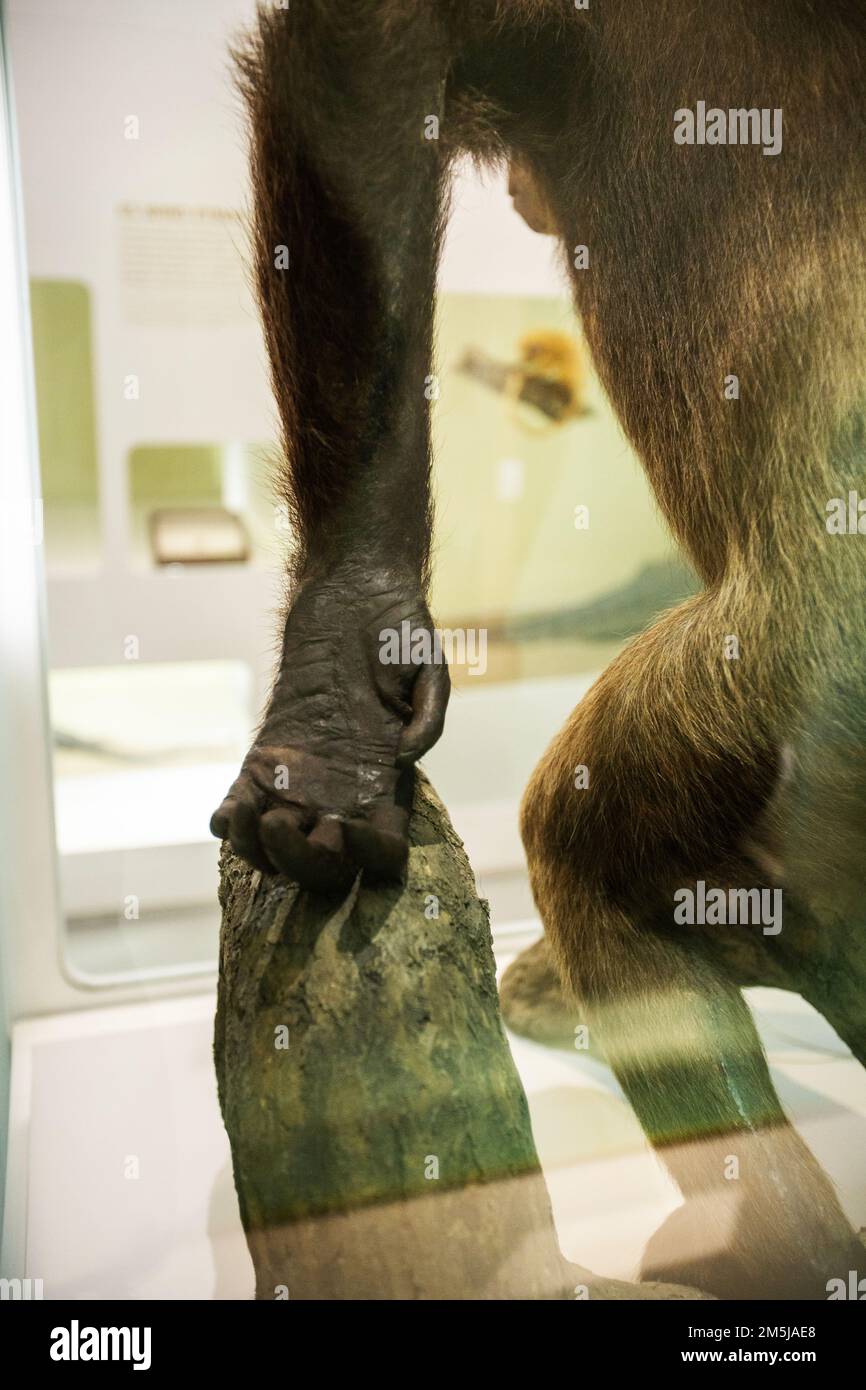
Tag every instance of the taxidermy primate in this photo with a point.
(718, 260)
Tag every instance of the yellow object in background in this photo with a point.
(549, 379)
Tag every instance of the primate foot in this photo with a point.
(326, 789)
(533, 1002)
(760, 1261)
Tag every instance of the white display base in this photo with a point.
(95, 1092)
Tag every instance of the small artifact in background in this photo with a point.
(197, 535)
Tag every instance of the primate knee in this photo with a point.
(559, 811)
(547, 812)
(564, 869)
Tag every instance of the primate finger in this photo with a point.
(328, 832)
(429, 702)
(241, 792)
(276, 836)
(380, 853)
(310, 860)
(243, 834)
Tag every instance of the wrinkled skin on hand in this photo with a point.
(326, 789)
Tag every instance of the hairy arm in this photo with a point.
(347, 203)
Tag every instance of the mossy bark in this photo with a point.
(380, 1134)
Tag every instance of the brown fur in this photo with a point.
(708, 262)
(704, 261)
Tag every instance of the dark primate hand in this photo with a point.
(326, 789)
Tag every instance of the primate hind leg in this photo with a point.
(760, 1219)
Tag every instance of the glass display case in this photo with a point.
(142, 634)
